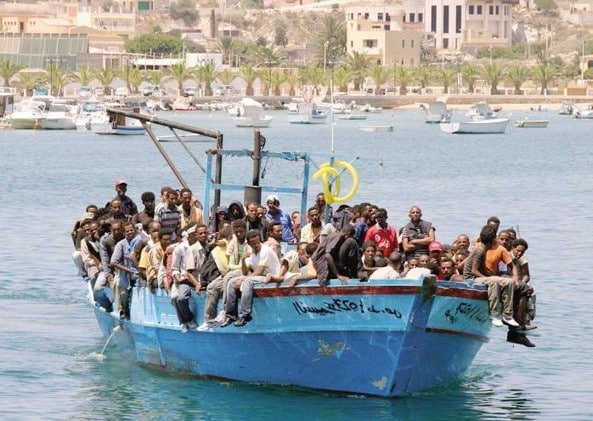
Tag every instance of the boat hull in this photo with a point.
(386, 339)
(24, 123)
(486, 126)
(262, 122)
(531, 124)
(58, 123)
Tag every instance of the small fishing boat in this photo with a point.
(250, 114)
(482, 110)
(436, 112)
(486, 126)
(530, 123)
(376, 128)
(352, 115)
(307, 113)
(586, 113)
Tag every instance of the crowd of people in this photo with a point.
(169, 245)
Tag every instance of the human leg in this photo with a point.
(493, 294)
(183, 304)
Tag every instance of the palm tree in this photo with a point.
(28, 81)
(293, 79)
(227, 76)
(330, 45)
(358, 63)
(470, 76)
(248, 74)
(57, 77)
(179, 72)
(154, 77)
(135, 78)
(268, 57)
(342, 76)
(276, 80)
(423, 74)
(518, 75)
(446, 77)
(380, 75)
(8, 69)
(205, 75)
(544, 74)
(403, 77)
(105, 78)
(85, 76)
(226, 46)
(315, 77)
(493, 74)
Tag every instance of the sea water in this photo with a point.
(538, 181)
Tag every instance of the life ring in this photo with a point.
(328, 172)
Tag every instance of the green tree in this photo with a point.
(248, 74)
(154, 77)
(446, 77)
(84, 75)
(57, 77)
(160, 44)
(470, 76)
(331, 42)
(205, 75)
(105, 78)
(227, 76)
(179, 72)
(135, 78)
(518, 75)
(423, 74)
(28, 81)
(544, 75)
(380, 76)
(293, 79)
(493, 73)
(186, 11)
(226, 46)
(358, 63)
(8, 69)
(404, 77)
(342, 77)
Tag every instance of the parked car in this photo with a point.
(223, 90)
(99, 91)
(121, 91)
(152, 90)
(85, 92)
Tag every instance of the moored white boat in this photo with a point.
(376, 128)
(531, 123)
(352, 115)
(308, 114)
(436, 112)
(481, 110)
(92, 115)
(60, 116)
(491, 125)
(583, 113)
(250, 114)
(27, 114)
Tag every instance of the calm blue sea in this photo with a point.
(537, 180)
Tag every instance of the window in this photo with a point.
(446, 19)
(403, 43)
(380, 16)
(479, 10)
(412, 17)
(471, 9)
(445, 42)
(420, 17)
(433, 18)
(497, 9)
(458, 19)
(411, 43)
(491, 10)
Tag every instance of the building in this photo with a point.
(383, 35)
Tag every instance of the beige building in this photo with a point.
(469, 24)
(382, 33)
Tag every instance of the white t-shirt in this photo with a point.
(266, 258)
(417, 273)
(386, 272)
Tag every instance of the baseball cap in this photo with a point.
(120, 181)
(435, 246)
(272, 198)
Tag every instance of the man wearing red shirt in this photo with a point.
(382, 234)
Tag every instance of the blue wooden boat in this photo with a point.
(384, 338)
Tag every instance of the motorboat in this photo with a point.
(566, 109)
(92, 115)
(488, 125)
(353, 115)
(308, 114)
(481, 110)
(583, 113)
(27, 114)
(250, 114)
(60, 116)
(376, 128)
(529, 123)
(436, 112)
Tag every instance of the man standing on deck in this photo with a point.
(274, 213)
(127, 274)
(382, 234)
(417, 234)
(128, 206)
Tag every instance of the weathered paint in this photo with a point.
(320, 337)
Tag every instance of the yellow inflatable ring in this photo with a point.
(328, 172)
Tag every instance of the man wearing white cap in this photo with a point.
(128, 206)
(274, 213)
